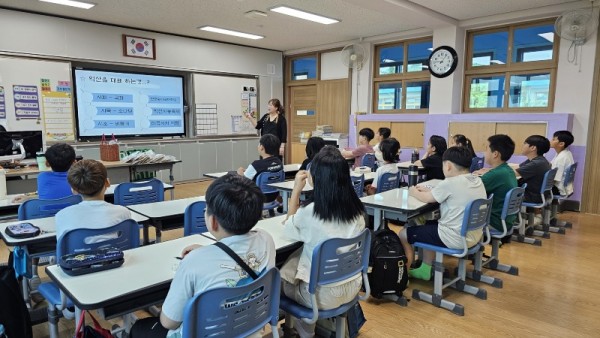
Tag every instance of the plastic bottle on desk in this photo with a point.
(413, 175)
(414, 157)
(3, 184)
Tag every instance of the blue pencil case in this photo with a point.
(91, 261)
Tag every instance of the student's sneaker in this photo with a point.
(537, 220)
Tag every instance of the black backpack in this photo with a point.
(387, 264)
(13, 311)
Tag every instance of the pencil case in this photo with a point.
(91, 261)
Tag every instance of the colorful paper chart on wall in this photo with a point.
(2, 103)
(58, 116)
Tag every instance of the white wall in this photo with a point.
(45, 36)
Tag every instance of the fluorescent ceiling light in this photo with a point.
(78, 4)
(548, 36)
(230, 32)
(303, 15)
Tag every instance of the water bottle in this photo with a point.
(414, 157)
(41, 161)
(413, 175)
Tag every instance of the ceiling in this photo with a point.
(359, 18)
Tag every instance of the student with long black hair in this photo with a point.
(432, 161)
(313, 146)
(334, 212)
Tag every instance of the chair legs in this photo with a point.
(556, 222)
(494, 261)
(477, 273)
(522, 229)
(53, 317)
(546, 227)
(458, 283)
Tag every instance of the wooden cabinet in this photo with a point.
(478, 132)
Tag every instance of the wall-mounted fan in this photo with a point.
(354, 56)
(577, 25)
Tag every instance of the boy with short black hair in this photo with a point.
(533, 169)
(365, 136)
(233, 207)
(500, 178)
(268, 148)
(53, 184)
(89, 179)
(561, 140)
(453, 194)
(389, 151)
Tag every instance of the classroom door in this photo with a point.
(302, 118)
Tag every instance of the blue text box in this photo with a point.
(118, 111)
(101, 124)
(106, 97)
(165, 123)
(166, 111)
(163, 99)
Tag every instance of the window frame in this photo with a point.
(404, 77)
(290, 62)
(510, 68)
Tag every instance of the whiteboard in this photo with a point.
(219, 104)
(36, 94)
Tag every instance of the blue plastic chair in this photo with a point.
(130, 193)
(263, 180)
(568, 178)
(38, 208)
(476, 218)
(476, 163)
(368, 160)
(128, 237)
(388, 181)
(234, 312)
(193, 219)
(512, 206)
(330, 265)
(546, 196)
(358, 183)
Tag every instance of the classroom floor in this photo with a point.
(555, 294)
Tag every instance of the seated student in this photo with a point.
(53, 184)
(382, 134)
(313, 146)
(233, 207)
(389, 149)
(334, 212)
(500, 178)
(561, 140)
(533, 169)
(460, 140)
(89, 179)
(365, 136)
(453, 194)
(268, 148)
(432, 161)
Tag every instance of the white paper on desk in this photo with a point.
(404, 198)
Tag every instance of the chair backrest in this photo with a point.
(368, 160)
(547, 184)
(388, 181)
(193, 219)
(476, 163)
(512, 206)
(337, 259)
(265, 178)
(358, 183)
(477, 215)
(38, 208)
(569, 174)
(127, 237)
(130, 193)
(233, 312)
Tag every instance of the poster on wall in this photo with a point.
(58, 116)
(2, 104)
(26, 100)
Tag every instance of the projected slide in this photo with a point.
(128, 103)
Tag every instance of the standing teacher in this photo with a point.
(273, 122)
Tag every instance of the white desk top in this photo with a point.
(289, 185)
(164, 209)
(48, 227)
(286, 168)
(395, 199)
(111, 190)
(7, 203)
(274, 227)
(144, 267)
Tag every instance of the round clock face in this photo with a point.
(442, 61)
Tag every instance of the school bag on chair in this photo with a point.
(13, 311)
(387, 264)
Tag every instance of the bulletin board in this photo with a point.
(220, 102)
(37, 95)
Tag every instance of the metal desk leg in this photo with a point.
(376, 218)
(285, 196)
(171, 179)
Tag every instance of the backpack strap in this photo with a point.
(237, 259)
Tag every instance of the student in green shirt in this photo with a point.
(500, 178)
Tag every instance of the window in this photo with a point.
(304, 68)
(400, 88)
(511, 68)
